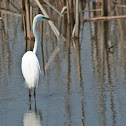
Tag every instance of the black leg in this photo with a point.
(30, 103)
(35, 104)
(35, 98)
(29, 93)
(34, 92)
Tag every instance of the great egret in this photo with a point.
(30, 64)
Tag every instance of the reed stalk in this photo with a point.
(55, 30)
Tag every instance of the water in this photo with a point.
(84, 85)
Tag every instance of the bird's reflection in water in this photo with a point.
(33, 116)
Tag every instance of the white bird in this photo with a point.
(30, 64)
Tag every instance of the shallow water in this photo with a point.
(84, 85)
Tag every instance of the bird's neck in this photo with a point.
(36, 37)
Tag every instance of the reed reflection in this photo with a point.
(102, 64)
(68, 95)
(77, 67)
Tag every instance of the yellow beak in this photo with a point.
(49, 19)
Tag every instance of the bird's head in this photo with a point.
(41, 17)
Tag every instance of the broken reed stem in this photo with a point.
(103, 18)
(63, 9)
(73, 33)
(91, 10)
(53, 8)
(50, 22)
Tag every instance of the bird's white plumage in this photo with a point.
(30, 64)
(30, 69)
